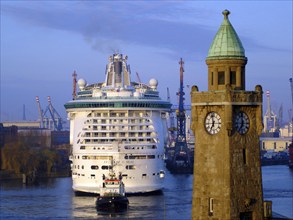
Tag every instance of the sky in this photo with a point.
(43, 42)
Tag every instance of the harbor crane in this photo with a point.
(138, 78)
(52, 122)
(179, 160)
(291, 126)
(291, 85)
(41, 114)
(270, 118)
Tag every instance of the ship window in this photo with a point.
(144, 174)
(130, 167)
(106, 167)
(82, 147)
(140, 157)
(94, 167)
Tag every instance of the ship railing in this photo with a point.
(117, 97)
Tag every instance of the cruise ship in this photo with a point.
(121, 126)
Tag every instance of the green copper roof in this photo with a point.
(226, 43)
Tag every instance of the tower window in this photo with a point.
(221, 78)
(211, 206)
(212, 80)
(233, 78)
(244, 156)
(245, 216)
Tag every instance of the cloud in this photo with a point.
(110, 25)
(175, 26)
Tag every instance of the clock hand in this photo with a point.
(213, 124)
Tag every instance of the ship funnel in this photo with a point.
(117, 74)
(118, 70)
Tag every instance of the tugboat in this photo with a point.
(112, 198)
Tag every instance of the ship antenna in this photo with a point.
(74, 75)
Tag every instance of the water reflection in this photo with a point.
(54, 198)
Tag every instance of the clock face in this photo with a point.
(213, 123)
(241, 122)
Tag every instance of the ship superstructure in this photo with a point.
(119, 125)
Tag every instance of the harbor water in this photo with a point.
(53, 198)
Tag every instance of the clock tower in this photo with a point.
(227, 122)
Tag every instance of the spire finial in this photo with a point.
(226, 13)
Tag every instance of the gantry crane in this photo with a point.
(179, 161)
(291, 125)
(54, 122)
(41, 114)
(270, 118)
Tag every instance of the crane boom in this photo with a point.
(53, 112)
(138, 78)
(41, 116)
(291, 85)
(181, 119)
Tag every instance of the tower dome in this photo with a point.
(226, 43)
(226, 59)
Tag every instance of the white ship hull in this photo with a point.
(122, 130)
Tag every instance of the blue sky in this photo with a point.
(43, 42)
